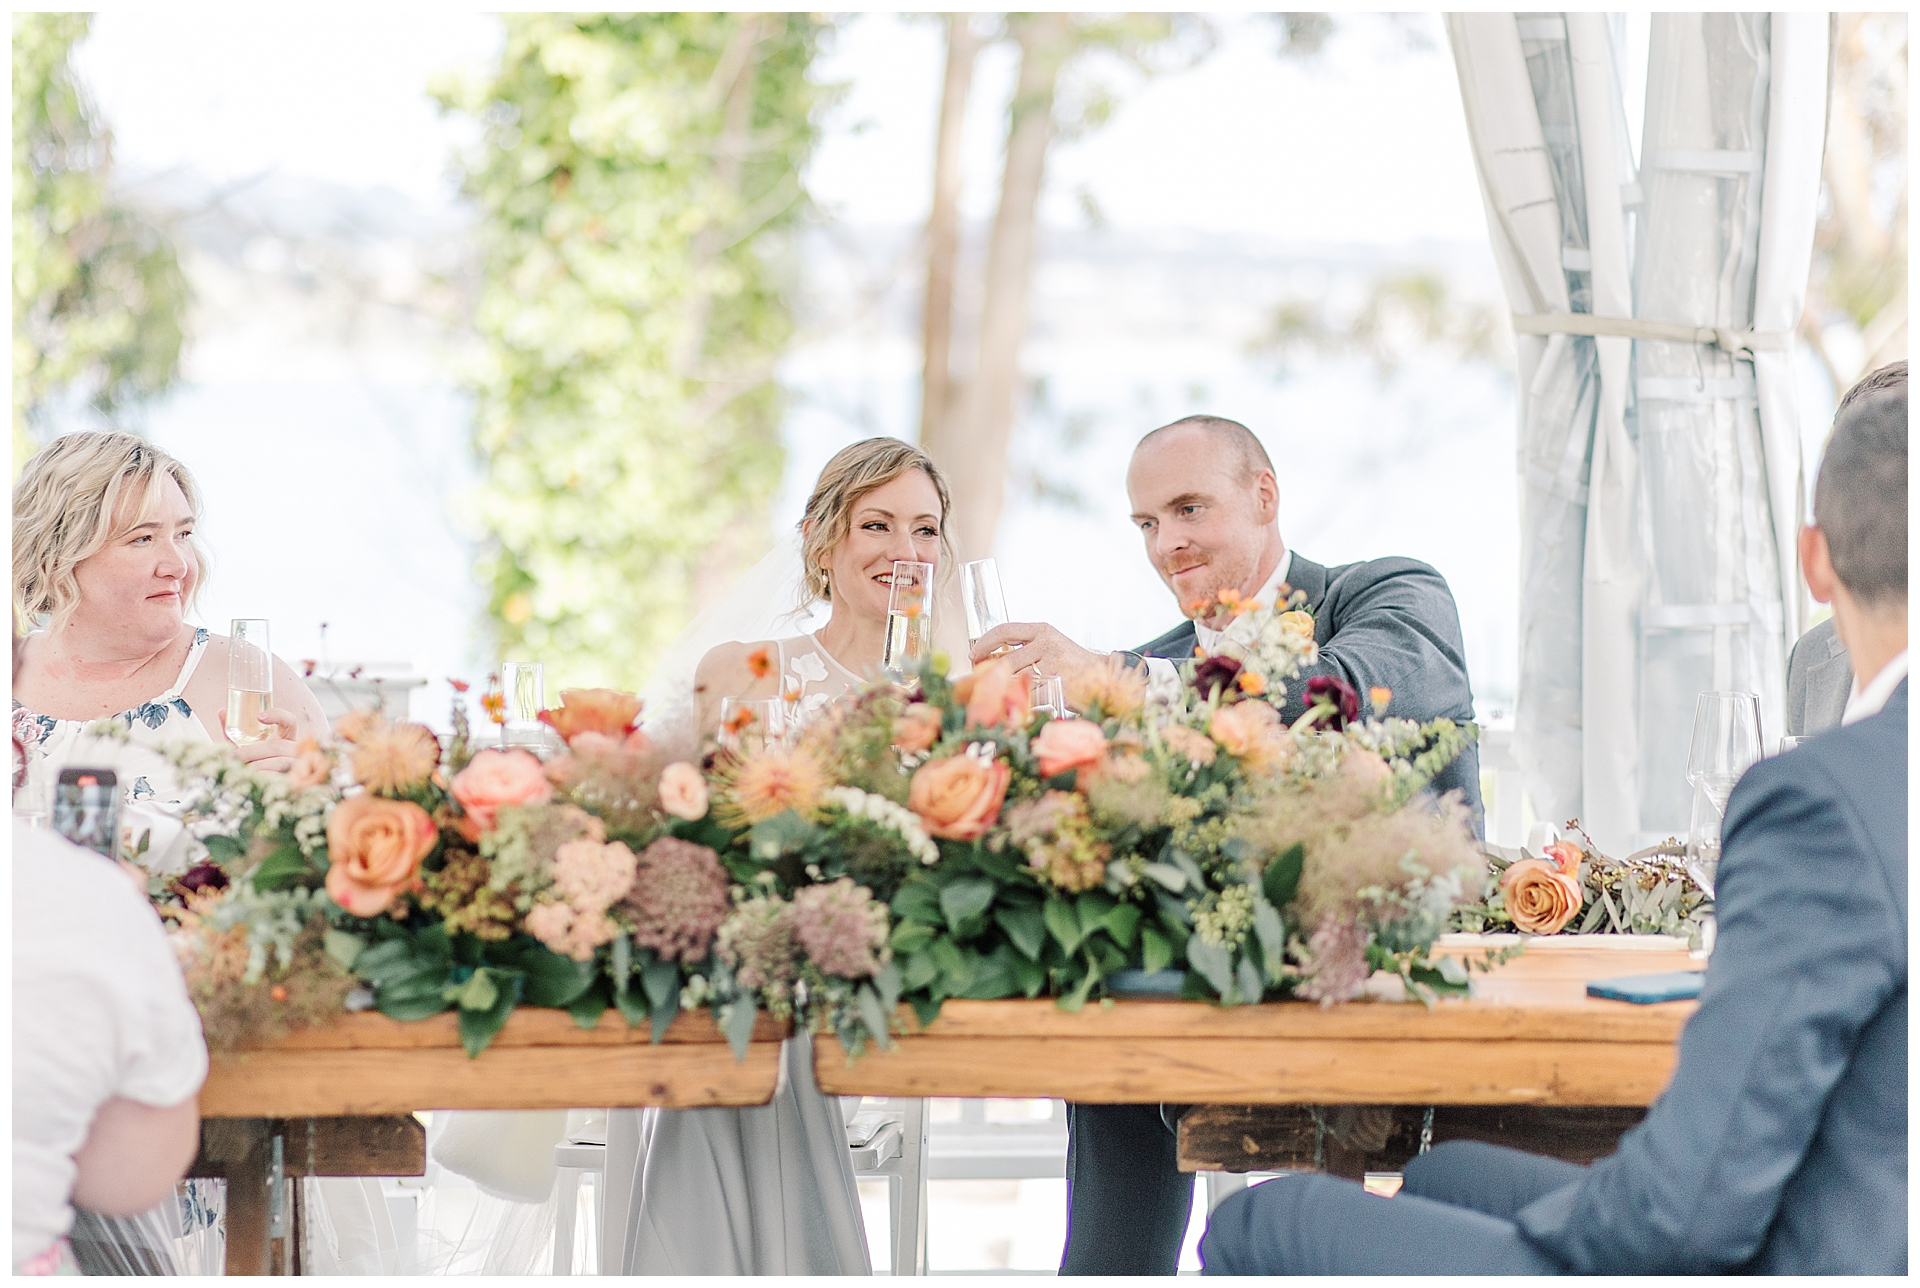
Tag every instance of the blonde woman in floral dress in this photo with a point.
(771, 1190)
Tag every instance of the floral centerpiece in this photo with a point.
(915, 843)
(1572, 888)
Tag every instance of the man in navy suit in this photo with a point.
(1780, 1146)
(1207, 502)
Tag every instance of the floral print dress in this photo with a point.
(145, 775)
(810, 677)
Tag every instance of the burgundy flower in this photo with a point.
(1334, 692)
(1215, 673)
(203, 876)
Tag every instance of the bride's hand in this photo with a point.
(275, 754)
(1036, 646)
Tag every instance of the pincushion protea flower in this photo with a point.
(678, 899)
(767, 783)
(842, 929)
(388, 759)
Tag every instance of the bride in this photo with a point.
(770, 1191)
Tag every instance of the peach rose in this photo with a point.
(1195, 746)
(604, 711)
(1068, 744)
(683, 792)
(1249, 730)
(994, 695)
(374, 847)
(958, 797)
(917, 729)
(1565, 856)
(1540, 899)
(312, 767)
(1365, 768)
(494, 778)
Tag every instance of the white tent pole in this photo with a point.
(1611, 581)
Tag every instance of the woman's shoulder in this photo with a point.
(734, 658)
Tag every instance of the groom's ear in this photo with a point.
(1266, 489)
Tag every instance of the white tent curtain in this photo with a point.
(1659, 461)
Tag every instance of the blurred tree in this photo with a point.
(967, 425)
(1856, 313)
(98, 295)
(1402, 313)
(635, 174)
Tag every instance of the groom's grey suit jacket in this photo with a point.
(1385, 622)
(1819, 678)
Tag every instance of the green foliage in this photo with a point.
(635, 175)
(98, 294)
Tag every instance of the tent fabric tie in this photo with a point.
(1727, 338)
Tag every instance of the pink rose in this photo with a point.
(494, 778)
(917, 728)
(1565, 856)
(958, 797)
(683, 792)
(994, 695)
(374, 849)
(1068, 744)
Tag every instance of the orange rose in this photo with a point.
(1565, 856)
(312, 767)
(683, 792)
(1250, 731)
(958, 797)
(494, 778)
(606, 711)
(1068, 744)
(1540, 899)
(374, 847)
(994, 695)
(917, 729)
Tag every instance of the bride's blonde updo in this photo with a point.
(853, 472)
(64, 508)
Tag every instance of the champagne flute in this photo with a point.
(524, 686)
(249, 680)
(1703, 838)
(986, 602)
(749, 726)
(1726, 743)
(909, 620)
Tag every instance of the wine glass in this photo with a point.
(986, 602)
(249, 680)
(909, 620)
(1726, 743)
(1703, 838)
(749, 726)
(1050, 695)
(524, 686)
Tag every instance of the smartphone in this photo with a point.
(1674, 986)
(86, 809)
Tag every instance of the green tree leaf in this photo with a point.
(960, 900)
(1156, 954)
(1281, 881)
(1063, 924)
(1025, 927)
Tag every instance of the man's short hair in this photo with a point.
(1860, 498)
(1250, 456)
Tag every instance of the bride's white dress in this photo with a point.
(763, 1191)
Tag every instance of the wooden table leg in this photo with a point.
(238, 1151)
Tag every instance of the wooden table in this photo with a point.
(1529, 1036)
(334, 1101)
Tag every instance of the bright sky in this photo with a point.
(1221, 147)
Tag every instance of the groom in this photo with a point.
(1207, 502)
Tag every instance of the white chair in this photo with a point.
(891, 1141)
(576, 1158)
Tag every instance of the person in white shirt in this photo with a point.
(108, 1055)
(1854, 553)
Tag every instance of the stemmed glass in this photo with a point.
(1049, 695)
(249, 679)
(523, 685)
(909, 620)
(1726, 743)
(986, 602)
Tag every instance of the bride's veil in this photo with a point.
(765, 602)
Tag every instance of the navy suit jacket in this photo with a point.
(1780, 1146)
(1385, 622)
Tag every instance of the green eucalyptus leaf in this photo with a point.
(1214, 963)
(343, 947)
(587, 1008)
(1156, 954)
(1248, 977)
(736, 1021)
(478, 1026)
(1166, 874)
(872, 1014)
(1272, 935)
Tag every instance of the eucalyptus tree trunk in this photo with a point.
(971, 445)
(732, 83)
(943, 230)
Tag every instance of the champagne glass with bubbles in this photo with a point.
(909, 620)
(249, 680)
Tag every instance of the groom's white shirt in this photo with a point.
(1163, 675)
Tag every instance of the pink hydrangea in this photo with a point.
(841, 928)
(678, 899)
(1336, 969)
(588, 878)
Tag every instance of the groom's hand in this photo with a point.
(1034, 646)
